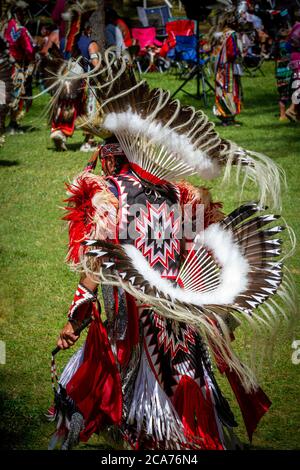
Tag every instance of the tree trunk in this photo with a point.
(97, 21)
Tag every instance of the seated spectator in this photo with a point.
(265, 40)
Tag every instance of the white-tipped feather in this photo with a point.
(154, 133)
(233, 272)
(259, 313)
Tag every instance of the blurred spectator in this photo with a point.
(21, 49)
(228, 71)
(51, 39)
(254, 19)
(293, 112)
(283, 72)
(113, 34)
(265, 41)
(115, 19)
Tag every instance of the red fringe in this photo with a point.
(197, 414)
(72, 33)
(253, 405)
(80, 213)
(96, 385)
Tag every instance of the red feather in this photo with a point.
(80, 213)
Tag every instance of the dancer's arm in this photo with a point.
(86, 293)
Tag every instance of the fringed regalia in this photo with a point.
(16, 72)
(228, 93)
(172, 299)
(73, 99)
(6, 90)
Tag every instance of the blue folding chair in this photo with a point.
(184, 54)
(191, 63)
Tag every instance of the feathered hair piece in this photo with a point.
(165, 141)
(227, 13)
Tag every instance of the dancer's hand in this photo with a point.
(67, 336)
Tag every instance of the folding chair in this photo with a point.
(253, 63)
(252, 58)
(191, 63)
(41, 7)
(179, 28)
(149, 48)
(155, 16)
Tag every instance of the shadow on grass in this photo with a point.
(14, 424)
(71, 147)
(9, 162)
(29, 128)
(75, 146)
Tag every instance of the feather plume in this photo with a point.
(91, 212)
(234, 271)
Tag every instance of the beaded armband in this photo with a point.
(81, 304)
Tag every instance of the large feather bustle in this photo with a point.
(253, 305)
(172, 141)
(91, 212)
(62, 79)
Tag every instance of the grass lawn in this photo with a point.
(37, 287)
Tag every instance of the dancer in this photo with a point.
(283, 72)
(6, 91)
(173, 290)
(228, 91)
(21, 50)
(75, 99)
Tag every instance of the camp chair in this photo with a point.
(184, 54)
(173, 29)
(155, 16)
(149, 48)
(179, 28)
(253, 63)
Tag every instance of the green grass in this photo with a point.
(37, 287)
